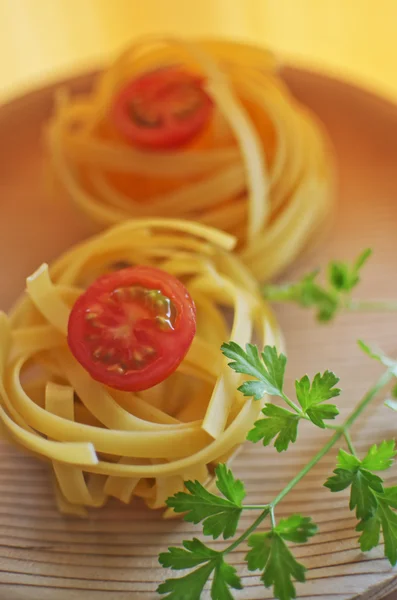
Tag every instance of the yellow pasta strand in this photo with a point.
(104, 442)
(59, 400)
(262, 169)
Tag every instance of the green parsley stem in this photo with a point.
(272, 517)
(349, 442)
(248, 531)
(270, 508)
(378, 305)
(316, 458)
(292, 404)
(369, 396)
(340, 431)
(254, 506)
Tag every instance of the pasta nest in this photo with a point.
(261, 170)
(103, 442)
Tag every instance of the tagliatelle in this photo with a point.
(262, 168)
(104, 442)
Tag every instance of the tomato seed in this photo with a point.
(97, 324)
(136, 292)
(118, 294)
(116, 369)
(148, 351)
(138, 356)
(163, 323)
(89, 316)
(92, 338)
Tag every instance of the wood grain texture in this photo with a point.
(114, 553)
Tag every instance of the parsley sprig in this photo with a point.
(268, 369)
(269, 551)
(331, 297)
(220, 516)
(190, 586)
(372, 502)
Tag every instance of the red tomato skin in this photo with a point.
(172, 345)
(173, 135)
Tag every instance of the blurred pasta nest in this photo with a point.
(261, 169)
(104, 442)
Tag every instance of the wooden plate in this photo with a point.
(113, 554)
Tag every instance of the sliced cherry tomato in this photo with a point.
(132, 328)
(162, 109)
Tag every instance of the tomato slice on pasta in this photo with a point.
(162, 109)
(132, 328)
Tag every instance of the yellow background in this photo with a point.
(41, 40)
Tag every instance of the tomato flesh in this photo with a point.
(162, 109)
(132, 328)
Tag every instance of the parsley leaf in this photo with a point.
(389, 528)
(268, 368)
(188, 587)
(306, 293)
(191, 586)
(344, 277)
(383, 518)
(270, 554)
(296, 528)
(193, 553)
(370, 533)
(279, 422)
(380, 458)
(347, 461)
(390, 496)
(312, 395)
(260, 544)
(365, 485)
(340, 480)
(362, 497)
(327, 299)
(233, 489)
(317, 414)
(373, 502)
(322, 388)
(254, 389)
(225, 576)
(220, 516)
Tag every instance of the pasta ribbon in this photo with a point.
(262, 169)
(104, 442)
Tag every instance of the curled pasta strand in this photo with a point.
(103, 442)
